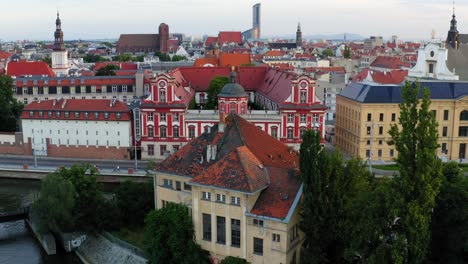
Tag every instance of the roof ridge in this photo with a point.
(241, 161)
(234, 117)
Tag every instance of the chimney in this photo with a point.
(208, 153)
(222, 122)
(64, 103)
(214, 149)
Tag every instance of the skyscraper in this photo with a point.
(256, 20)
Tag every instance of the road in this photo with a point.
(48, 163)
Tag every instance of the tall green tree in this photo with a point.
(331, 187)
(10, 108)
(216, 85)
(108, 70)
(416, 187)
(135, 201)
(328, 52)
(449, 226)
(347, 52)
(233, 260)
(169, 237)
(54, 208)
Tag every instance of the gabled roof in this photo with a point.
(234, 59)
(226, 37)
(211, 41)
(26, 68)
(274, 53)
(138, 40)
(247, 160)
(240, 171)
(389, 62)
(382, 77)
(5, 55)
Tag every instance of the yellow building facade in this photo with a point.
(243, 202)
(365, 113)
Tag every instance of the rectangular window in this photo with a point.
(303, 118)
(294, 233)
(124, 88)
(163, 131)
(207, 227)
(380, 130)
(206, 196)
(150, 131)
(290, 133)
(191, 132)
(367, 153)
(446, 115)
(220, 229)
(368, 142)
(162, 149)
(276, 238)
(235, 200)
(235, 232)
(392, 153)
(369, 117)
(258, 222)
(258, 246)
(290, 118)
(163, 117)
(168, 183)
(176, 117)
(444, 148)
(381, 116)
(368, 130)
(187, 187)
(150, 117)
(444, 131)
(379, 153)
(150, 150)
(221, 198)
(178, 186)
(434, 112)
(114, 88)
(175, 131)
(463, 131)
(380, 141)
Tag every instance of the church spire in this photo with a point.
(58, 34)
(299, 36)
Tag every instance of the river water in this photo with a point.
(17, 245)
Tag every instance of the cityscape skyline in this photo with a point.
(209, 17)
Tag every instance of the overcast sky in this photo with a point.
(91, 19)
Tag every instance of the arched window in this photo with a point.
(464, 115)
(302, 131)
(222, 108)
(303, 98)
(274, 132)
(163, 131)
(243, 109)
(175, 131)
(233, 108)
(150, 131)
(162, 95)
(290, 133)
(202, 98)
(191, 131)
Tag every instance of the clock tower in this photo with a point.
(59, 54)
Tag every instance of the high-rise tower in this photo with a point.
(59, 54)
(256, 21)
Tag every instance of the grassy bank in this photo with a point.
(131, 236)
(394, 167)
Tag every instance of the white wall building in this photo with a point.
(432, 64)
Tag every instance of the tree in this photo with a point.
(108, 70)
(54, 208)
(169, 237)
(216, 85)
(178, 58)
(135, 201)
(418, 183)
(331, 187)
(328, 52)
(10, 109)
(449, 226)
(233, 260)
(123, 57)
(347, 53)
(48, 60)
(90, 58)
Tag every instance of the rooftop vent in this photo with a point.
(233, 173)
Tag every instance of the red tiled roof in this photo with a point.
(274, 53)
(203, 62)
(225, 37)
(5, 55)
(388, 62)
(234, 59)
(303, 56)
(172, 44)
(78, 105)
(382, 77)
(211, 41)
(247, 160)
(240, 170)
(25, 68)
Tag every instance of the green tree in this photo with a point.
(169, 237)
(54, 208)
(449, 226)
(233, 260)
(10, 109)
(123, 57)
(90, 58)
(48, 60)
(328, 52)
(216, 85)
(247, 65)
(193, 103)
(108, 70)
(135, 201)
(417, 185)
(347, 53)
(178, 58)
(332, 189)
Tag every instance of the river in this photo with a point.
(17, 245)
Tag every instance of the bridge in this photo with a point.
(19, 214)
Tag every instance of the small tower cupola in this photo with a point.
(452, 36)
(233, 98)
(299, 36)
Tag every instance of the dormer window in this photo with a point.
(49, 113)
(118, 115)
(106, 115)
(41, 113)
(96, 115)
(67, 114)
(86, 114)
(163, 117)
(77, 114)
(57, 114)
(303, 96)
(31, 113)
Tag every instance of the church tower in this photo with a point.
(452, 36)
(59, 54)
(299, 36)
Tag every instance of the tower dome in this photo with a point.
(232, 89)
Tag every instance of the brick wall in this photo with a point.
(83, 152)
(17, 146)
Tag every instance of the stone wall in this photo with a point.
(86, 152)
(12, 144)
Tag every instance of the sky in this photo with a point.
(106, 19)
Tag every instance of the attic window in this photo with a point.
(77, 114)
(258, 222)
(31, 113)
(67, 114)
(57, 113)
(49, 113)
(106, 115)
(41, 113)
(86, 114)
(96, 115)
(119, 115)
